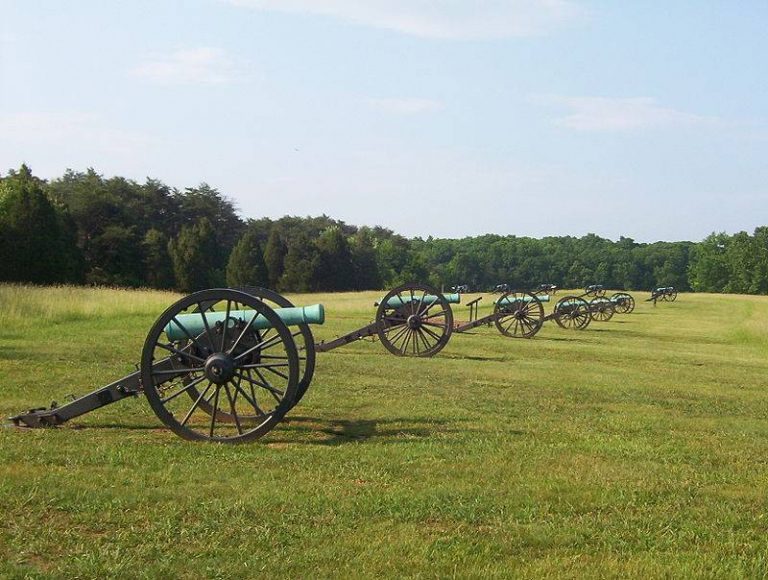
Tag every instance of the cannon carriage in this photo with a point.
(218, 365)
(546, 289)
(411, 320)
(664, 293)
(594, 290)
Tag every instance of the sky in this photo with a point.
(445, 118)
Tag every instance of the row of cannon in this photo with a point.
(227, 364)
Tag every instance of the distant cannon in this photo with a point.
(501, 289)
(665, 294)
(594, 290)
(623, 302)
(411, 320)
(460, 289)
(517, 314)
(572, 312)
(547, 289)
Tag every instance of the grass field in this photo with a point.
(638, 447)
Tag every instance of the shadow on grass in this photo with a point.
(343, 431)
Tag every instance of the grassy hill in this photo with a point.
(634, 448)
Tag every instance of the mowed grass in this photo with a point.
(638, 447)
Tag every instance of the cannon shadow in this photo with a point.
(345, 431)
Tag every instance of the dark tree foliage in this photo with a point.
(158, 266)
(246, 266)
(332, 267)
(274, 255)
(84, 227)
(36, 236)
(205, 201)
(194, 264)
(299, 265)
(365, 268)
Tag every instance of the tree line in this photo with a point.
(82, 228)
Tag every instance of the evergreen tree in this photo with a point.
(158, 267)
(275, 255)
(332, 266)
(299, 261)
(194, 264)
(365, 268)
(246, 265)
(35, 242)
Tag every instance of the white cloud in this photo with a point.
(604, 114)
(203, 65)
(448, 19)
(405, 106)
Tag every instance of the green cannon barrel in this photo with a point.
(428, 299)
(665, 289)
(571, 303)
(195, 325)
(509, 301)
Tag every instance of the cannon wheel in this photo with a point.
(252, 375)
(575, 315)
(414, 328)
(672, 296)
(602, 309)
(305, 347)
(522, 318)
(623, 303)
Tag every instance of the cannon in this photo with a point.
(594, 290)
(218, 365)
(411, 320)
(601, 308)
(517, 314)
(546, 289)
(665, 294)
(623, 303)
(460, 289)
(572, 312)
(501, 289)
(520, 314)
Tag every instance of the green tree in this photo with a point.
(299, 261)
(194, 264)
(36, 243)
(158, 267)
(332, 266)
(365, 268)
(246, 266)
(275, 255)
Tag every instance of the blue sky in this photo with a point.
(527, 117)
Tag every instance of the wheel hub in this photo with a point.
(414, 322)
(219, 368)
